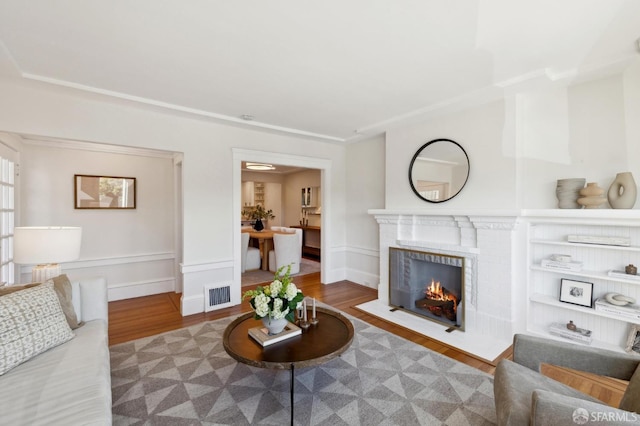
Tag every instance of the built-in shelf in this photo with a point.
(586, 274)
(552, 301)
(593, 246)
(542, 332)
(547, 235)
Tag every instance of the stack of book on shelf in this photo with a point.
(261, 334)
(631, 312)
(580, 335)
(624, 275)
(561, 266)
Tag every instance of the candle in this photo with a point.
(314, 308)
(304, 307)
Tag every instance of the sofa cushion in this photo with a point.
(31, 322)
(67, 385)
(63, 288)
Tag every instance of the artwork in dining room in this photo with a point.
(104, 192)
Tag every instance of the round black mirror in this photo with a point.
(439, 170)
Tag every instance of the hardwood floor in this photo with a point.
(132, 319)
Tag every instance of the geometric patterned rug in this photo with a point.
(184, 377)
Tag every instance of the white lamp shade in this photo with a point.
(46, 244)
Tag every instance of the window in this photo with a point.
(7, 216)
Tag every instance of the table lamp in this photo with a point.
(45, 246)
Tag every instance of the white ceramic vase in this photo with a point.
(623, 191)
(274, 326)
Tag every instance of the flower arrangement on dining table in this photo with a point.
(278, 300)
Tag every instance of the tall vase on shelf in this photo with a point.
(623, 191)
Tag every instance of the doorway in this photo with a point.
(324, 167)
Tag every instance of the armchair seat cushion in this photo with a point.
(514, 386)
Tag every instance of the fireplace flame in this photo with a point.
(435, 291)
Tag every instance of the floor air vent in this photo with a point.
(217, 297)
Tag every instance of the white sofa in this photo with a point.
(71, 383)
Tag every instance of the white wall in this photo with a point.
(133, 249)
(292, 200)
(365, 184)
(519, 146)
(492, 176)
(209, 251)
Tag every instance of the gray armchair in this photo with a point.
(524, 396)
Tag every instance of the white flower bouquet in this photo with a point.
(277, 300)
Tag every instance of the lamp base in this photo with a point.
(42, 273)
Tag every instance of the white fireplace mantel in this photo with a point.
(497, 241)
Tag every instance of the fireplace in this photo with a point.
(430, 285)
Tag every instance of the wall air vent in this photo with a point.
(217, 296)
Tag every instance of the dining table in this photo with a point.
(265, 244)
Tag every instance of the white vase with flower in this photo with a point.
(276, 303)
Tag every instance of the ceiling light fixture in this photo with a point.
(260, 166)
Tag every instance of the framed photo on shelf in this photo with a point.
(633, 341)
(576, 292)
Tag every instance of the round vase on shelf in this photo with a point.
(623, 191)
(258, 226)
(592, 196)
(568, 192)
(274, 326)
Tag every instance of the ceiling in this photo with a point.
(332, 70)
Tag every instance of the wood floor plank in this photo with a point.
(132, 319)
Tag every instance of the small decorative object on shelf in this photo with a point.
(580, 335)
(606, 241)
(592, 196)
(571, 326)
(630, 269)
(633, 341)
(278, 300)
(623, 191)
(568, 192)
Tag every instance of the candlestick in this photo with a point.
(314, 319)
(304, 306)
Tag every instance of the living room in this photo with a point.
(570, 114)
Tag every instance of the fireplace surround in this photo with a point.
(490, 244)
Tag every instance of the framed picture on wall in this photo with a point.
(104, 192)
(576, 292)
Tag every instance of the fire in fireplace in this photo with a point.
(428, 284)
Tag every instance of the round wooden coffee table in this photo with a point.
(316, 345)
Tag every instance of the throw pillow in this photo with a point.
(8, 289)
(62, 286)
(31, 322)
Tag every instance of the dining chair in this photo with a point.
(285, 252)
(250, 259)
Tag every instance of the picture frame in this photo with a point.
(633, 341)
(104, 192)
(576, 292)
